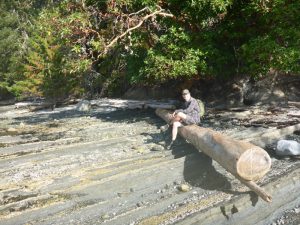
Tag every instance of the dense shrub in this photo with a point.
(62, 48)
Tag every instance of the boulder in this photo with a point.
(288, 148)
(83, 106)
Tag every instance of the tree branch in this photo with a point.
(138, 12)
(159, 12)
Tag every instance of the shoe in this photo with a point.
(164, 128)
(169, 146)
(173, 144)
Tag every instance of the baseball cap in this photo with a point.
(185, 92)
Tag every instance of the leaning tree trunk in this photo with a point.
(244, 160)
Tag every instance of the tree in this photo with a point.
(10, 47)
(101, 47)
(53, 68)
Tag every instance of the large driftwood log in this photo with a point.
(244, 160)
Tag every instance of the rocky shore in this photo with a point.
(108, 165)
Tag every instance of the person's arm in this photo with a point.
(193, 106)
(178, 110)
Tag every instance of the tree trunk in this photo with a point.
(244, 160)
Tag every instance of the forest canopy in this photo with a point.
(56, 49)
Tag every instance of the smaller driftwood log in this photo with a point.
(245, 161)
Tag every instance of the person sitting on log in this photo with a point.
(187, 114)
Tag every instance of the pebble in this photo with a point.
(135, 147)
(1, 198)
(176, 182)
(162, 143)
(184, 187)
(11, 129)
(105, 216)
(141, 150)
(157, 148)
(121, 194)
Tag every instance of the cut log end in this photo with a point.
(253, 164)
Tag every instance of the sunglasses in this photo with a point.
(184, 94)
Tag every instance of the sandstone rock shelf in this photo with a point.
(104, 167)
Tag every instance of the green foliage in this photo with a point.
(172, 57)
(199, 11)
(277, 48)
(51, 68)
(10, 47)
(186, 49)
(63, 46)
(15, 15)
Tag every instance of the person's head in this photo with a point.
(186, 95)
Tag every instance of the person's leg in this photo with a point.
(188, 120)
(176, 124)
(181, 115)
(177, 118)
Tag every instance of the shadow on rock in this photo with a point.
(112, 115)
(128, 116)
(199, 172)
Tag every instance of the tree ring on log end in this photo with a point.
(253, 164)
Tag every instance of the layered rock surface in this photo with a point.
(109, 166)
